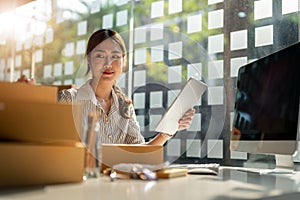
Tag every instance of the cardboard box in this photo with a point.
(24, 164)
(39, 122)
(39, 141)
(27, 92)
(39, 144)
(113, 154)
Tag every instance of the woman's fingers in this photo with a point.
(186, 120)
(25, 79)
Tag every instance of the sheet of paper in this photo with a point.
(186, 99)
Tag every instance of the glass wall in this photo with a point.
(168, 41)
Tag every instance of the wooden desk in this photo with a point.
(230, 184)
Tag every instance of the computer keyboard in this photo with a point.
(207, 168)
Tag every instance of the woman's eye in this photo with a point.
(99, 56)
(116, 56)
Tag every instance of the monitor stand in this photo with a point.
(284, 165)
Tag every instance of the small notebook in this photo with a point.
(186, 99)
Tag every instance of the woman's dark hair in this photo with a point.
(95, 39)
(100, 36)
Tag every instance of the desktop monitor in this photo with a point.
(267, 106)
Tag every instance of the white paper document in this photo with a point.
(186, 99)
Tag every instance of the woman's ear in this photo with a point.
(88, 60)
(88, 65)
(125, 65)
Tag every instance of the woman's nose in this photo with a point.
(108, 62)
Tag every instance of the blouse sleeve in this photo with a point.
(134, 135)
(65, 96)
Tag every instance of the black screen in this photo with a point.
(267, 97)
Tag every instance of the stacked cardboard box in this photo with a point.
(39, 142)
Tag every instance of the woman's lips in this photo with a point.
(108, 72)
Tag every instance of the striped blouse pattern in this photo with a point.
(110, 128)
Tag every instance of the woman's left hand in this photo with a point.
(25, 79)
(186, 120)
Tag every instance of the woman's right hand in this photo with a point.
(25, 79)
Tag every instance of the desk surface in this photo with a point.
(230, 184)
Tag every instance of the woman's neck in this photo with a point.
(102, 90)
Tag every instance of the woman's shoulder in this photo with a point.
(66, 95)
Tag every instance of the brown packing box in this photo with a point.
(24, 164)
(27, 92)
(39, 142)
(38, 122)
(113, 154)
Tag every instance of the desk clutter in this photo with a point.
(143, 171)
(39, 143)
(200, 169)
(146, 162)
(159, 171)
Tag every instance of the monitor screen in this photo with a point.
(267, 104)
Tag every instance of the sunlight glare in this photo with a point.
(21, 23)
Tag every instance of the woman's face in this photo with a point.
(106, 61)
